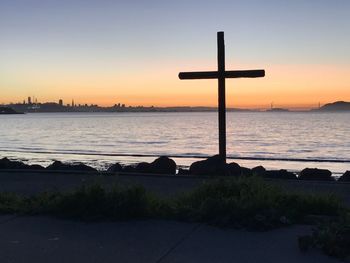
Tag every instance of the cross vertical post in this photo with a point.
(222, 96)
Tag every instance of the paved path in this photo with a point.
(44, 239)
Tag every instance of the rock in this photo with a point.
(259, 171)
(214, 166)
(316, 174)
(183, 172)
(8, 164)
(345, 177)
(137, 168)
(59, 166)
(36, 167)
(163, 165)
(280, 174)
(115, 168)
(233, 169)
(246, 171)
(129, 169)
(143, 167)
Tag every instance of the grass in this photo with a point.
(243, 202)
(252, 203)
(87, 203)
(332, 237)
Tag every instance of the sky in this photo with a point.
(107, 52)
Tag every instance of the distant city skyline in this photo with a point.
(131, 51)
(72, 103)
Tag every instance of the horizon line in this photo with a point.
(253, 107)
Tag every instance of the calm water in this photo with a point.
(40, 138)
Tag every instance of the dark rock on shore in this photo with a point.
(137, 168)
(233, 169)
(280, 174)
(246, 171)
(316, 174)
(183, 172)
(8, 164)
(36, 167)
(215, 166)
(163, 165)
(143, 167)
(259, 171)
(129, 169)
(115, 168)
(59, 166)
(345, 177)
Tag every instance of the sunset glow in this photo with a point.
(56, 52)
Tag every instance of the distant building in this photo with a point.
(29, 100)
(60, 102)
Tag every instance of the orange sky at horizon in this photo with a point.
(130, 52)
(291, 86)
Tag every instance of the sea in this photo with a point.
(276, 140)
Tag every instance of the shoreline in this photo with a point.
(102, 162)
(165, 165)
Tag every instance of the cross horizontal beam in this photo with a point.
(228, 74)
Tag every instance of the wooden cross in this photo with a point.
(221, 74)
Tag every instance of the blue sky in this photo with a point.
(300, 31)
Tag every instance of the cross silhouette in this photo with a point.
(221, 74)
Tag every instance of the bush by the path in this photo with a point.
(252, 203)
(87, 203)
(332, 237)
(243, 202)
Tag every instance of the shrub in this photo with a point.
(252, 203)
(243, 202)
(332, 237)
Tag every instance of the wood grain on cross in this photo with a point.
(221, 74)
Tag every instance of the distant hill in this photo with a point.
(336, 106)
(5, 110)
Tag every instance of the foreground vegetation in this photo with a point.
(244, 203)
(332, 237)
